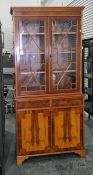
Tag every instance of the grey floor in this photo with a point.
(65, 164)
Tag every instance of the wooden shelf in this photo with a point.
(65, 52)
(27, 87)
(60, 71)
(43, 53)
(43, 72)
(39, 53)
(38, 33)
(38, 72)
(63, 33)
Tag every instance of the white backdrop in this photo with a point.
(6, 19)
(56, 2)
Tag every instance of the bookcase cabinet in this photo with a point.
(88, 75)
(48, 76)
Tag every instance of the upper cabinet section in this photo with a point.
(47, 50)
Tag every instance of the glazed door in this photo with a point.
(33, 132)
(65, 64)
(67, 132)
(31, 55)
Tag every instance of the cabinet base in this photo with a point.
(81, 153)
(21, 159)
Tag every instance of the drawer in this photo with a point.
(59, 102)
(75, 102)
(32, 104)
(64, 102)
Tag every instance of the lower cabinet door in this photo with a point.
(33, 131)
(67, 128)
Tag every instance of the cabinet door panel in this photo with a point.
(67, 127)
(33, 131)
(64, 54)
(31, 56)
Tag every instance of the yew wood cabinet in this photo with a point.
(48, 76)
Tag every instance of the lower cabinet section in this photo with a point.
(49, 131)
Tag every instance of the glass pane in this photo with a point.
(64, 54)
(32, 56)
(31, 26)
